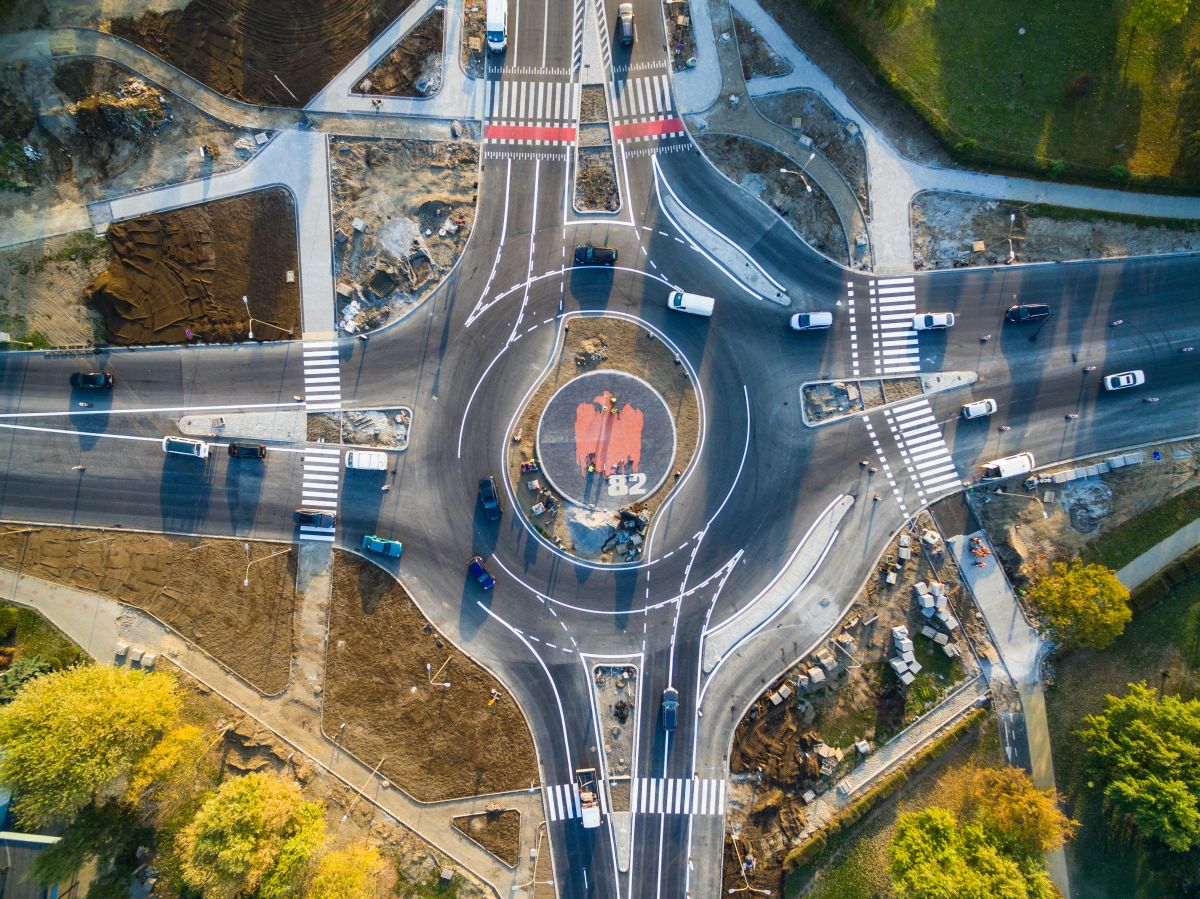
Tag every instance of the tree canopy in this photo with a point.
(1084, 603)
(68, 735)
(1157, 15)
(256, 833)
(933, 856)
(351, 871)
(1022, 821)
(1145, 754)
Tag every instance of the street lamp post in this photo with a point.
(803, 168)
(246, 578)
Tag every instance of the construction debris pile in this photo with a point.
(627, 537)
(616, 694)
(135, 111)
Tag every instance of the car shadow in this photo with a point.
(243, 488)
(183, 493)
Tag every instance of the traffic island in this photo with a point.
(383, 428)
(497, 830)
(603, 439)
(825, 402)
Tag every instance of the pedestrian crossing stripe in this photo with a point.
(893, 305)
(648, 796)
(322, 375)
(648, 96)
(533, 103)
(922, 446)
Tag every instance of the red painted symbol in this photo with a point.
(607, 435)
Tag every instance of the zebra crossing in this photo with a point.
(648, 796)
(894, 342)
(540, 113)
(922, 446)
(322, 375)
(319, 488)
(643, 109)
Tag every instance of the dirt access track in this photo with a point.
(188, 270)
(271, 52)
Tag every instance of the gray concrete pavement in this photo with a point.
(1160, 555)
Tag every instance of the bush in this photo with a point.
(966, 146)
(1079, 86)
(1118, 172)
(1056, 168)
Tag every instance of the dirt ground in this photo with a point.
(596, 180)
(759, 59)
(414, 66)
(827, 400)
(593, 105)
(192, 584)
(680, 38)
(878, 103)
(755, 168)
(404, 192)
(776, 755)
(272, 52)
(42, 285)
(836, 138)
(498, 832)
(947, 225)
(53, 13)
(608, 343)
(473, 52)
(385, 428)
(616, 694)
(437, 743)
(186, 271)
(1081, 510)
(101, 132)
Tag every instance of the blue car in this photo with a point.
(670, 708)
(478, 571)
(382, 545)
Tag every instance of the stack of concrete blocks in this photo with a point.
(1112, 463)
(904, 663)
(941, 640)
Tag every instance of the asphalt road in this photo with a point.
(467, 359)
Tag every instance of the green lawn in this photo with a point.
(1128, 540)
(1102, 861)
(1002, 96)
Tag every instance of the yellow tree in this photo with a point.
(352, 871)
(255, 834)
(1021, 819)
(1085, 604)
(68, 735)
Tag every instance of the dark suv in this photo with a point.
(92, 380)
(1029, 312)
(314, 518)
(590, 255)
(670, 708)
(479, 571)
(248, 450)
(489, 498)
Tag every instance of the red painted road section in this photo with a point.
(528, 133)
(647, 129)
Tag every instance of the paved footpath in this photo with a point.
(98, 624)
(1160, 555)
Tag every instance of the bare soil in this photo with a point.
(680, 37)
(837, 139)
(759, 59)
(414, 66)
(946, 226)
(616, 696)
(437, 743)
(273, 52)
(400, 190)
(102, 132)
(592, 344)
(194, 585)
(384, 428)
(755, 168)
(903, 128)
(187, 270)
(774, 758)
(41, 289)
(498, 832)
(596, 180)
(1081, 511)
(473, 53)
(593, 105)
(827, 400)
(54, 13)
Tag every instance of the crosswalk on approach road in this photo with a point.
(922, 446)
(320, 487)
(894, 342)
(322, 376)
(648, 796)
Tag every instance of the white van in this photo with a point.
(185, 446)
(690, 302)
(1008, 467)
(368, 460)
(497, 25)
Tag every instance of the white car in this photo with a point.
(933, 321)
(811, 321)
(1124, 379)
(979, 409)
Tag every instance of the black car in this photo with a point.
(92, 380)
(590, 255)
(489, 498)
(314, 518)
(248, 450)
(670, 708)
(1029, 312)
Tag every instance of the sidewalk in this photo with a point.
(98, 624)
(743, 118)
(1021, 649)
(1160, 555)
